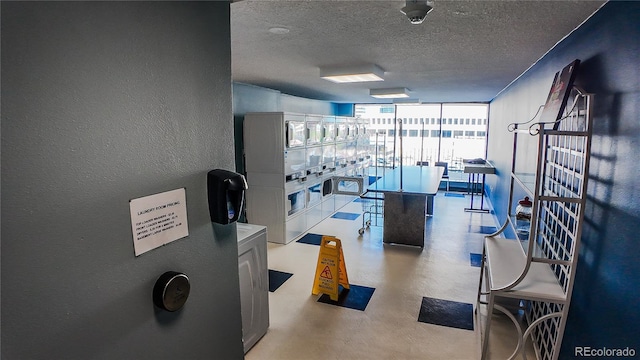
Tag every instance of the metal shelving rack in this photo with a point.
(538, 270)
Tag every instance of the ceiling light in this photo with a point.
(362, 73)
(407, 101)
(389, 93)
(279, 30)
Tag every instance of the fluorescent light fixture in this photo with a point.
(394, 93)
(353, 74)
(406, 101)
(279, 30)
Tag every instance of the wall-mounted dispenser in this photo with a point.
(226, 195)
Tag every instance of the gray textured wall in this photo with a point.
(103, 102)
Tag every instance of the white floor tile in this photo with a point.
(302, 328)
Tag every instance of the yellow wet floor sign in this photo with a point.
(331, 270)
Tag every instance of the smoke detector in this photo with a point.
(416, 10)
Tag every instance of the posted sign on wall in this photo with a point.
(158, 219)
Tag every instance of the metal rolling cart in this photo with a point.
(373, 203)
(373, 210)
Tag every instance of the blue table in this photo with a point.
(408, 197)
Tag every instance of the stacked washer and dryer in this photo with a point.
(292, 163)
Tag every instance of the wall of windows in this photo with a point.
(426, 132)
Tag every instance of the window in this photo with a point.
(433, 132)
(469, 145)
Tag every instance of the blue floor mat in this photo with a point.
(475, 259)
(446, 313)
(357, 297)
(373, 179)
(311, 239)
(277, 278)
(454, 195)
(345, 216)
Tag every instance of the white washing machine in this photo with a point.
(254, 282)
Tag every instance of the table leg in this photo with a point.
(473, 186)
(482, 193)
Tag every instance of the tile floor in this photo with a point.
(420, 306)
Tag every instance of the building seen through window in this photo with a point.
(429, 133)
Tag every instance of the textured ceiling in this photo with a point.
(465, 51)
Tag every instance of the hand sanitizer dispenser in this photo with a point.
(226, 195)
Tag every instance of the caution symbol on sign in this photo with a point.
(330, 262)
(326, 273)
